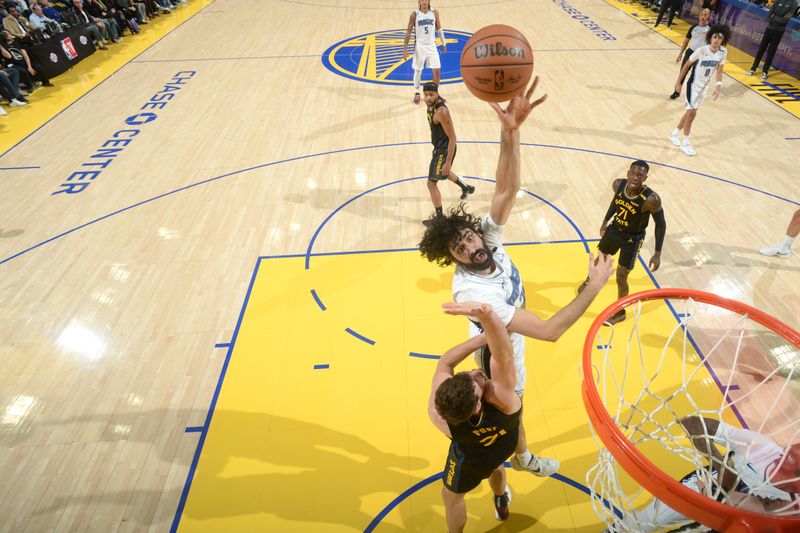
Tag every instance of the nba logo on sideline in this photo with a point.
(378, 58)
(69, 49)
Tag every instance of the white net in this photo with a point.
(681, 367)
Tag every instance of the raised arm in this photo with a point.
(445, 369)
(530, 325)
(507, 177)
(504, 374)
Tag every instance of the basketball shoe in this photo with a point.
(687, 149)
(466, 192)
(538, 466)
(619, 316)
(779, 251)
(501, 505)
(416, 98)
(675, 139)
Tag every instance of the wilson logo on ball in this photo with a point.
(497, 49)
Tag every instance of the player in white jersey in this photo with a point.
(758, 475)
(426, 24)
(486, 274)
(705, 62)
(695, 38)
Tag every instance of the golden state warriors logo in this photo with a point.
(378, 58)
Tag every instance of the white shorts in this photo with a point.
(695, 95)
(518, 344)
(425, 53)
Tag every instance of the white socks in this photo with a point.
(787, 242)
(417, 79)
(524, 457)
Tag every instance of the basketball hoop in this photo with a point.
(722, 360)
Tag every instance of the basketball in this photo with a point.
(496, 63)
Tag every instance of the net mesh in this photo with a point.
(713, 367)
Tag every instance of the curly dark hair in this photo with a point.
(722, 29)
(455, 398)
(445, 230)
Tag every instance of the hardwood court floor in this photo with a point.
(120, 301)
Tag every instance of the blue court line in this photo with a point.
(792, 139)
(414, 249)
(194, 429)
(427, 481)
(321, 367)
(360, 337)
(222, 345)
(403, 180)
(207, 424)
(19, 168)
(776, 88)
(424, 355)
(345, 150)
(103, 81)
(696, 347)
(190, 59)
(316, 299)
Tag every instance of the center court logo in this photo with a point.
(378, 58)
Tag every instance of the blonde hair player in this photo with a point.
(426, 24)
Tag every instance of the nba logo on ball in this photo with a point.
(499, 53)
(498, 80)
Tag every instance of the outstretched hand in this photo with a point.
(473, 309)
(600, 269)
(518, 108)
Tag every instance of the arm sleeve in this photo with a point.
(661, 229)
(689, 33)
(610, 213)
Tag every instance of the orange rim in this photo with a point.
(692, 504)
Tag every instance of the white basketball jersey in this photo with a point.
(425, 28)
(706, 64)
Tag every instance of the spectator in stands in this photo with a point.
(15, 56)
(50, 12)
(673, 6)
(16, 24)
(92, 27)
(777, 18)
(9, 87)
(133, 11)
(38, 19)
(97, 10)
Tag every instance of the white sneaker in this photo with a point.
(3, 111)
(675, 139)
(779, 251)
(751, 72)
(687, 149)
(16, 103)
(538, 466)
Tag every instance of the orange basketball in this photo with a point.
(497, 63)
